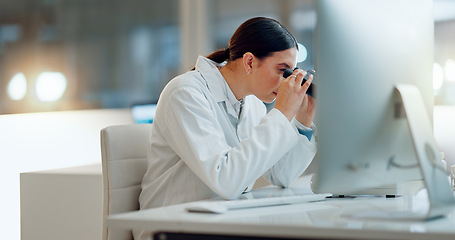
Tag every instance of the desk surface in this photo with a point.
(327, 219)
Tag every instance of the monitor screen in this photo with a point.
(363, 49)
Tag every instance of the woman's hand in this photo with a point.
(292, 99)
(306, 112)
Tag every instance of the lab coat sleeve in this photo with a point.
(294, 163)
(197, 137)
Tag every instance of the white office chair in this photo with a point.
(124, 163)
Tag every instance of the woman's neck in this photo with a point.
(235, 78)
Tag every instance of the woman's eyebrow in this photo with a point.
(285, 64)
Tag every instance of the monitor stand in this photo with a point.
(434, 175)
(440, 196)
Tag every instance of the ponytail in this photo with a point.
(218, 56)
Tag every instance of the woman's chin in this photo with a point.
(268, 100)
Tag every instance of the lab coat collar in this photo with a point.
(217, 84)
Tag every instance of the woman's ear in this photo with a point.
(248, 62)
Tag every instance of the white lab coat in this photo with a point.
(205, 144)
(201, 147)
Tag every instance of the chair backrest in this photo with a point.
(124, 163)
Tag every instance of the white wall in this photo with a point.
(40, 141)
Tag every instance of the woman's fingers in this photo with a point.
(298, 75)
(308, 82)
(291, 93)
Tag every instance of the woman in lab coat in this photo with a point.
(211, 135)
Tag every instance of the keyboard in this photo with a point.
(225, 206)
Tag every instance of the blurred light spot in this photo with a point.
(449, 68)
(438, 76)
(302, 54)
(17, 87)
(50, 86)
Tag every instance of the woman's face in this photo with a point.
(268, 73)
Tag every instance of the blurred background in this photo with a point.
(67, 54)
(85, 54)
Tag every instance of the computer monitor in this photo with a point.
(363, 51)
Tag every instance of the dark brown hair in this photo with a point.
(260, 35)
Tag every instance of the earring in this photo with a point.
(249, 71)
